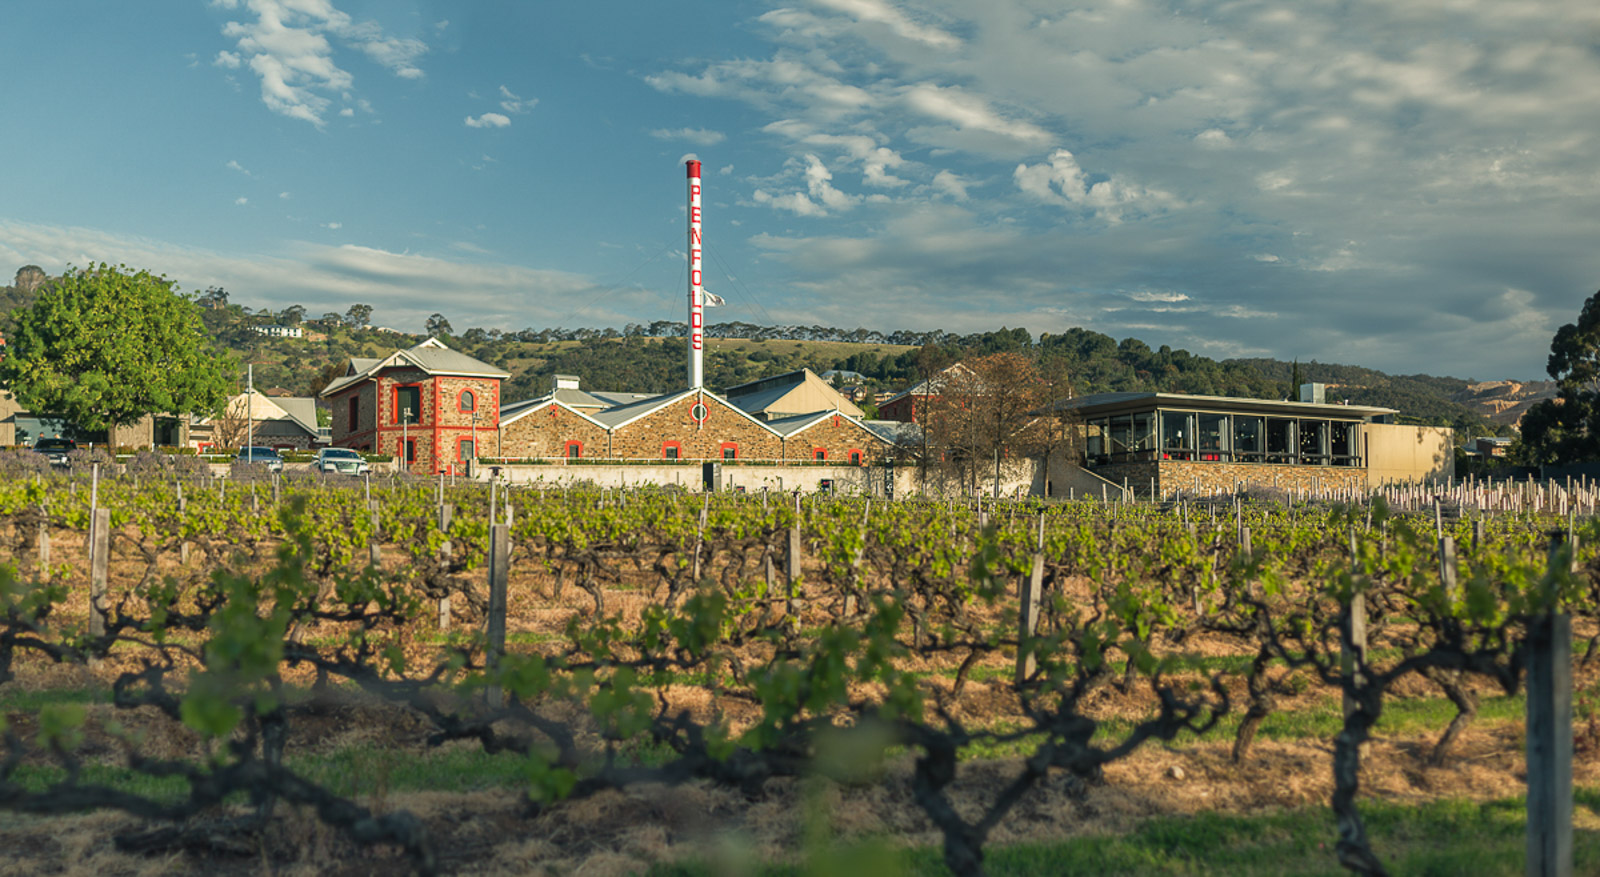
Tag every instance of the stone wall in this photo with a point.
(345, 433)
(545, 433)
(1189, 477)
(643, 439)
(837, 437)
(855, 480)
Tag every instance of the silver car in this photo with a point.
(341, 461)
(266, 456)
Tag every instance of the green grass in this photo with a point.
(1429, 840)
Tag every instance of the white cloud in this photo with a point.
(287, 46)
(234, 165)
(1061, 181)
(950, 184)
(283, 195)
(488, 120)
(697, 136)
(403, 288)
(333, 226)
(241, 201)
(511, 103)
(879, 12)
(227, 60)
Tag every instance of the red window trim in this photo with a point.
(574, 443)
(408, 451)
(729, 446)
(461, 401)
(855, 457)
(672, 444)
(819, 455)
(461, 444)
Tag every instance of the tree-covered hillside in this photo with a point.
(650, 358)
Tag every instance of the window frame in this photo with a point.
(676, 448)
(398, 412)
(467, 401)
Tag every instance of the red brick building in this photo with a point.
(428, 405)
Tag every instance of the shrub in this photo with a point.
(21, 463)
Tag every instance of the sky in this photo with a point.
(1406, 186)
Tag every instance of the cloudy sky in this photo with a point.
(1411, 186)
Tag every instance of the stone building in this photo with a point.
(428, 405)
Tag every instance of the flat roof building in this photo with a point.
(1170, 442)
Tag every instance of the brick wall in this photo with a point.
(642, 439)
(545, 433)
(837, 436)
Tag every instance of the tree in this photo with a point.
(105, 346)
(291, 315)
(437, 325)
(1566, 429)
(989, 409)
(358, 316)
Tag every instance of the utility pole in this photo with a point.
(405, 422)
(472, 465)
(249, 410)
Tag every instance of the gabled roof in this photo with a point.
(788, 427)
(933, 385)
(796, 392)
(299, 410)
(431, 356)
(510, 414)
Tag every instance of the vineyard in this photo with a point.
(248, 675)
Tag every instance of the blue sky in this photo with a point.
(1410, 186)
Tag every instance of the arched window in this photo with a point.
(855, 457)
(469, 402)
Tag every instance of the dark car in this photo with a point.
(55, 449)
(265, 456)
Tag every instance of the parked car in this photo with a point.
(265, 456)
(55, 449)
(341, 461)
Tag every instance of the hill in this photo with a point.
(650, 358)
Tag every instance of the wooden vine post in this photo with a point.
(1032, 591)
(499, 571)
(446, 555)
(374, 553)
(99, 571)
(1549, 736)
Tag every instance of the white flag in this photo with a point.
(712, 299)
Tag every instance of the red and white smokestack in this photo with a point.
(697, 295)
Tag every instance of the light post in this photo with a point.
(249, 411)
(472, 465)
(405, 422)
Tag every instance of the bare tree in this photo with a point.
(983, 411)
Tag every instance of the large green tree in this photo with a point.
(104, 346)
(1566, 429)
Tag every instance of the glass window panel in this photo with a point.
(1313, 441)
(1176, 433)
(1211, 436)
(1121, 434)
(1280, 440)
(1094, 438)
(1249, 438)
(1144, 431)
